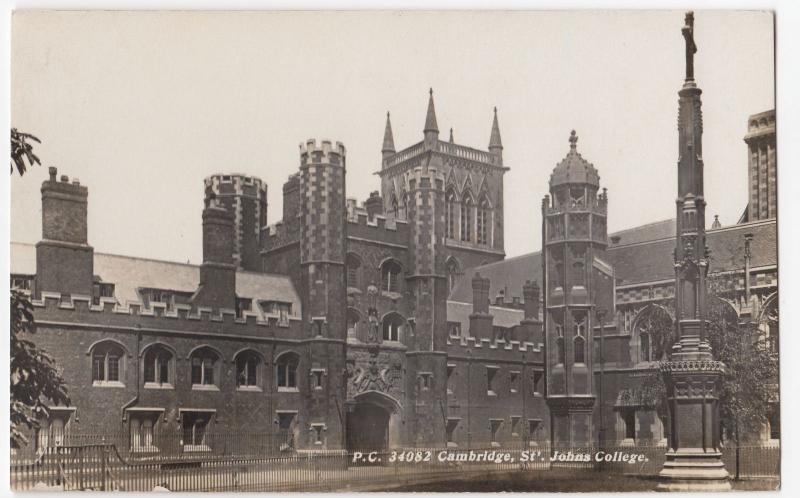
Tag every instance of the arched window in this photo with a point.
(644, 346)
(453, 272)
(248, 364)
(353, 265)
(451, 214)
(353, 318)
(560, 349)
(286, 374)
(467, 205)
(158, 366)
(484, 221)
(390, 276)
(652, 330)
(107, 359)
(205, 363)
(392, 327)
(579, 342)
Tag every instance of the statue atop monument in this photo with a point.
(691, 47)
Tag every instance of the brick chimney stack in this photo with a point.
(64, 259)
(530, 292)
(217, 287)
(480, 321)
(374, 205)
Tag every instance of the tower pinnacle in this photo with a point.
(494, 140)
(388, 139)
(431, 130)
(573, 140)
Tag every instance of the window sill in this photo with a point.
(249, 389)
(204, 387)
(105, 383)
(451, 444)
(491, 393)
(495, 444)
(391, 294)
(288, 390)
(153, 385)
(513, 391)
(627, 442)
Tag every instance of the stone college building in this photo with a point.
(393, 323)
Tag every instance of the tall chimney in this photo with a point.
(480, 321)
(217, 287)
(64, 259)
(530, 292)
(374, 205)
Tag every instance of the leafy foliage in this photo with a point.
(751, 372)
(22, 150)
(34, 377)
(749, 385)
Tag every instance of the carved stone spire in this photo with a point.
(388, 139)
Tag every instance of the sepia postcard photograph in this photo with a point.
(440, 251)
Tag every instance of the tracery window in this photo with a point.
(390, 276)
(484, 220)
(353, 265)
(247, 368)
(204, 363)
(467, 206)
(286, 366)
(451, 214)
(157, 366)
(107, 360)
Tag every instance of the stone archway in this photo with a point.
(373, 422)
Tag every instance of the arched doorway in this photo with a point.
(373, 422)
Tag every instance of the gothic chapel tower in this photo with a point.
(574, 244)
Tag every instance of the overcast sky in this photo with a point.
(142, 106)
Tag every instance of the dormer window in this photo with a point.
(243, 304)
(282, 309)
(100, 290)
(22, 282)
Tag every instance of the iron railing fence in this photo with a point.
(168, 446)
(103, 467)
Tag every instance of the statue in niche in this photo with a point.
(374, 325)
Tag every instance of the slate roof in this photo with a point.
(503, 317)
(129, 273)
(638, 261)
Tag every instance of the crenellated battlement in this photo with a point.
(421, 177)
(325, 153)
(278, 235)
(53, 301)
(238, 184)
(481, 343)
